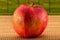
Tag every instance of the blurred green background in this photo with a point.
(8, 6)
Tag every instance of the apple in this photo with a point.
(30, 21)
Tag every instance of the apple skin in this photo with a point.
(30, 21)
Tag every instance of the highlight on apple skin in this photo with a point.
(30, 21)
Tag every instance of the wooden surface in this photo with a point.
(52, 31)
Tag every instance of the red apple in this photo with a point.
(30, 21)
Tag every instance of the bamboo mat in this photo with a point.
(52, 31)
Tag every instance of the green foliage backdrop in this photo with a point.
(8, 6)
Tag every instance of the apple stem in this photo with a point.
(33, 3)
